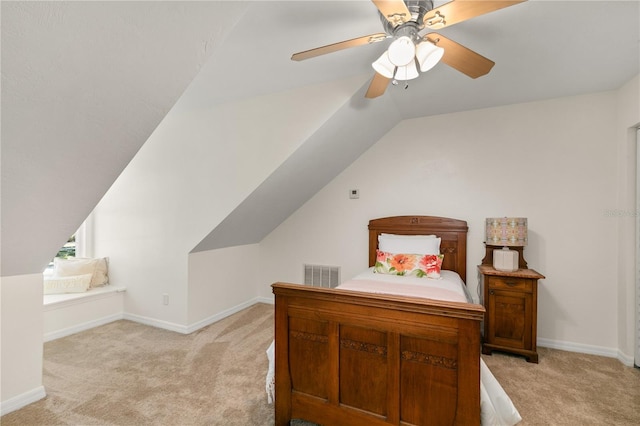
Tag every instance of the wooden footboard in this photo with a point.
(350, 358)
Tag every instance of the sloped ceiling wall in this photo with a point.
(339, 142)
(84, 84)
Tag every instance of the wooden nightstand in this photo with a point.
(511, 303)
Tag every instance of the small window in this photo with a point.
(76, 246)
(67, 250)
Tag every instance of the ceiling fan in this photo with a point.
(410, 51)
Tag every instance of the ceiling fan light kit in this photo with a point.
(386, 68)
(401, 51)
(428, 55)
(407, 72)
(403, 58)
(383, 66)
(411, 52)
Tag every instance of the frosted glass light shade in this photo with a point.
(402, 51)
(399, 61)
(408, 72)
(428, 55)
(383, 66)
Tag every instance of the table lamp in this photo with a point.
(506, 232)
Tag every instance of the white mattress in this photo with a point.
(449, 286)
(496, 408)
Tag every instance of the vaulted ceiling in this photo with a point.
(84, 84)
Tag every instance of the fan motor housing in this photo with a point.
(418, 9)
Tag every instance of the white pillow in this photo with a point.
(71, 267)
(411, 244)
(400, 236)
(70, 284)
(98, 268)
(101, 274)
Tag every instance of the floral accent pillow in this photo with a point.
(419, 265)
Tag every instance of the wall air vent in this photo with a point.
(321, 276)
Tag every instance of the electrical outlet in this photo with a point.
(165, 299)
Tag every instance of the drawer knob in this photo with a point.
(491, 292)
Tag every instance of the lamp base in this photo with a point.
(488, 257)
(505, 260)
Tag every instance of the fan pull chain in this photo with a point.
(395, 81)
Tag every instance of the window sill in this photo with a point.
(55, 301)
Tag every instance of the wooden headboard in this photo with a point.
(453, 233)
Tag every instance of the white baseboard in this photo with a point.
(221, 315)
(627, 360)
(587, 349)
(53, 335)
(22, 400)
(153, 322)
(267, 300)
(188, 329)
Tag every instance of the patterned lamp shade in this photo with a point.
(506, 231)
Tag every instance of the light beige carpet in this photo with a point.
(126, 373)
(568, 388)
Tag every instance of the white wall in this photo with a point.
(553, 161)
(97, 78)
(628, 117)
(21, 352)
(195, 169)
(221, 282)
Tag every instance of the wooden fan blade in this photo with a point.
(377, 87)
(395, 11)
(459, 57)
(330, 48)
(458, 11)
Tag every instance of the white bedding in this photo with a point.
(448, 287)
(496, 408)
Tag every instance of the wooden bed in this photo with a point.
(351, 358)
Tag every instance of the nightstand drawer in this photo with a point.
(507, 283)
